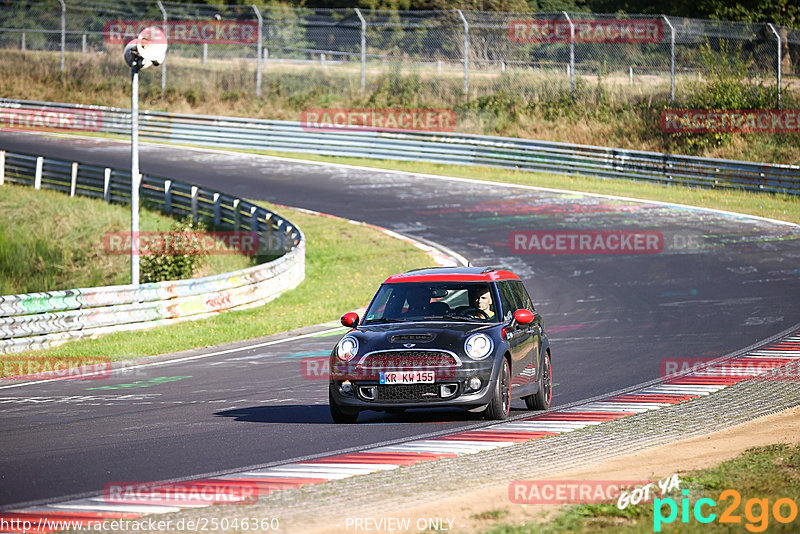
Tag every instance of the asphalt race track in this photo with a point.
(715, 284)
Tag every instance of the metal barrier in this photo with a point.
(41, 320)
(435, 147)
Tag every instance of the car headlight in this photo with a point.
(347, 348)
(478, 346)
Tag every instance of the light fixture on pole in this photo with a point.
(148, 49)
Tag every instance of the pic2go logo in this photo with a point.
(756, 511)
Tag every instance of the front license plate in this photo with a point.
(408, 377)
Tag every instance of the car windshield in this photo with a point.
(432, 301)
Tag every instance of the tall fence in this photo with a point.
(41, 320)
(457, 52)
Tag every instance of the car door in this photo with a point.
(536, 328)
(519, 338)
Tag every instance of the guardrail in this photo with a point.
(436, 147)
(41, 320)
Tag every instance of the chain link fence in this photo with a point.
(448, 54)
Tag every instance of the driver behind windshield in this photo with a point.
(483, 301)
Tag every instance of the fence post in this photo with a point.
(778, 37)
(63, 33)
(166, 32)
(217, 214)
(2, 167)
(168, 196)
(73, 179)
(466, 51)
(363, 50)
(195, 191)
(22, 44)
(205, 53)
(571, 53)
(671, 59)
(258, 50)
(630, 75)
(37, 178)
(253, 219)
(236, 214)
(107, 185)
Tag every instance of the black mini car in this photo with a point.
(457, 337)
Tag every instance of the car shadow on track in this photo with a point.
(290, 413)
(316, 414)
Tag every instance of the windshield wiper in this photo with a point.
(384, 320)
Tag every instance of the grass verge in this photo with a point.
(49, 241)
(760, 478)
(345, 262)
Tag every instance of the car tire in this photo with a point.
(541, 399)
(501, 400)
(339, 415)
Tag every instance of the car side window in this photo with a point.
(507, 300)
(521, 294)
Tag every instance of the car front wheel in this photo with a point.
(501, 400)
(541, 399)
(339, 415)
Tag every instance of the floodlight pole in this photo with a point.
(571, 53)
(258, 48)
(63, 33)
(135, 181)
(466, 50)
(778, 66)
(363, 49)
(166, 32)
(671, 59)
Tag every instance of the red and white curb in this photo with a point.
(671, 391)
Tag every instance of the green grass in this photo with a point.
(771, 473)
(345, 262)
(49, 241)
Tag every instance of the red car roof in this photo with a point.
(452, 274)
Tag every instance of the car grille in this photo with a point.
(407, 392)
(409, 359)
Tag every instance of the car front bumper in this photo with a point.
(449, 389)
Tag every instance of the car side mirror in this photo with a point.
(350, 320)
(524, 316)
